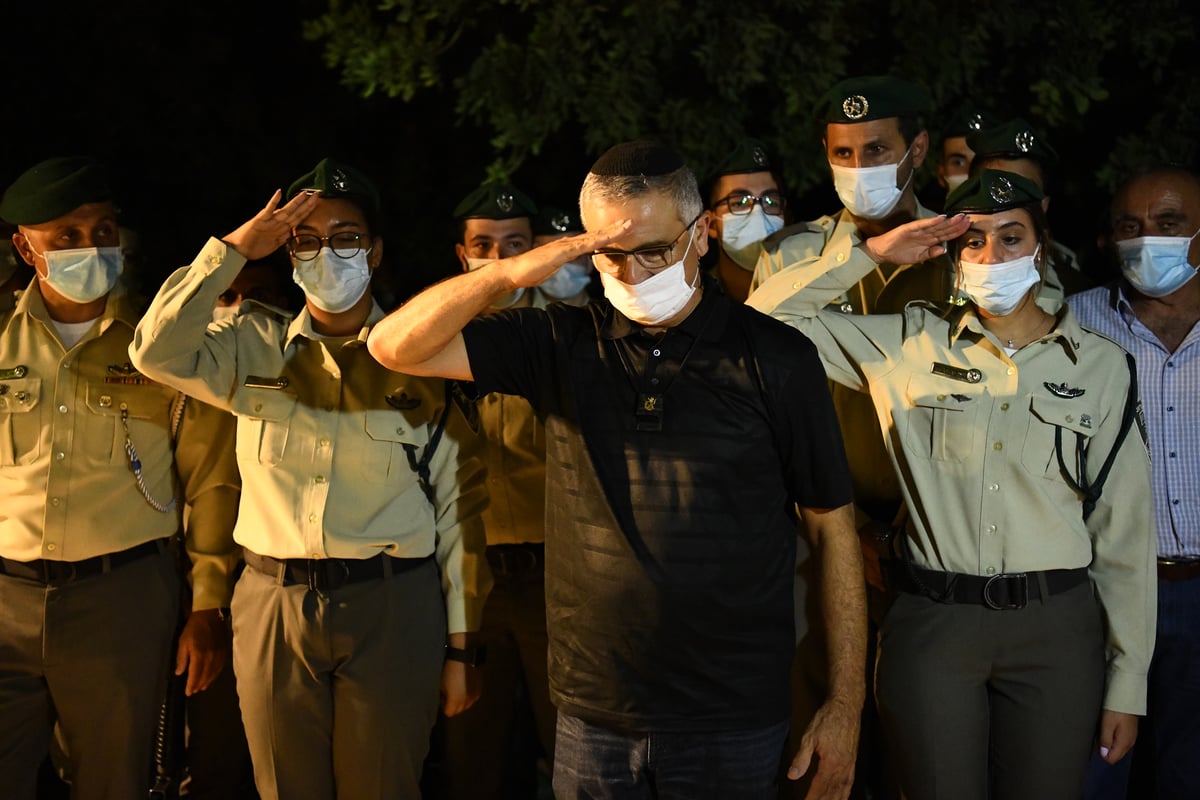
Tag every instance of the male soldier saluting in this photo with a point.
(88, 472)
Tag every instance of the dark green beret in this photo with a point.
(873, 97)
(335, 179)
(54, 188)
(750, 155)
(993, 190)
(965, 120)
(495, 201)
(552, 220)
(1013, 139)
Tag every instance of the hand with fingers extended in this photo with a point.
(916, 241)
(263, 233)
(832, 737)
(534, 266)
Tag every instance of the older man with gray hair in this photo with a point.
(682, 432)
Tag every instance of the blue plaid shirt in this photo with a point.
(1169, 384)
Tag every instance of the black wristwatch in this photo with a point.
(472, 655)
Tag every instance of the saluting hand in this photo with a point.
(534, 266)
(916, 241)
(263, 233)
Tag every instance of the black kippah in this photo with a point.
(637, 158)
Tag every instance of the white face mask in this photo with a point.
(504, 300)
(955, 181)
(656, 299)
(998, 288)
(870, 192)
(741, 233)
(568, 280)
(333, 283)
(82, 274)
(1157, 265)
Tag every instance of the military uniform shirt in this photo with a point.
(323, 435)
(971, 433)
(67, 491)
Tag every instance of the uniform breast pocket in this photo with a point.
(264, 424)
(941, 418)
(20, 427)
(1067, 419)
(384, 458)
(146, 409)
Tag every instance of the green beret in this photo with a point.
(54, 188)
(1013, 139)
(495, 201)
(335, 179)
(750, 155)
(552, 220)
(993, 190)
(965, 120)
(873, 97)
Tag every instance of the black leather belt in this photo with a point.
(1009, 590)
(1178, 569)
(516, 559)
(326, 574)
(54, 573)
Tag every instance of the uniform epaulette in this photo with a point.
(773, 241)
(258, 307)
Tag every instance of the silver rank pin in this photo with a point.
(760, 156)
(1002, 190)
(339, 180)
(1062, 390)
(560, 223)
(504, 202)
(1024, 141)
(855, 106)
(975, 123)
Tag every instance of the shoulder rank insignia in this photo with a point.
(956, 373)
(1062, 390)
(126, 374)
(259, 382)
(402, 401)
(13, 373)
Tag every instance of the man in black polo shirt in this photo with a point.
(682, 430)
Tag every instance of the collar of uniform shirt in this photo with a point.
(1066, 328)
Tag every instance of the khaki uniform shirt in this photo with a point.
(516, 470)
(67, 490)
(323, 435)
(976, 450)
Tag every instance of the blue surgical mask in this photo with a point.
(1157, 265)
(82, 274)
(333, 283)
(742, 233)
(998, 288)
(568, 280)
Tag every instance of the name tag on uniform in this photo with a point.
(13, 373)
(260, 382)
(957, 373)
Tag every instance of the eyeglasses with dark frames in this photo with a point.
(772, 201)
(306, 246)
(650, 259)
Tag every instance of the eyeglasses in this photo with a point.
(649, 258)
(306, 246)
(772, 202)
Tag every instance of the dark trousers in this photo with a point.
(90, 654)
(491, 749)
(977, 703)
(218, 757)
(1165, 763)
(597, 763)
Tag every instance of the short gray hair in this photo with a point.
(679, 186)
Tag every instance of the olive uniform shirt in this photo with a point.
(67, 490)
(971, 433)
(324, 435)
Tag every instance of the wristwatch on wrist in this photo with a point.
(472, 655)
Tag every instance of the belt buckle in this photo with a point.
(321, 579)
(1019, 579)
(59, 573)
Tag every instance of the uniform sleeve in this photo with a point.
(798, 296)
(785, 249)
(460, 495)
(204, 454)
(1124, 559)
(173, 343)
